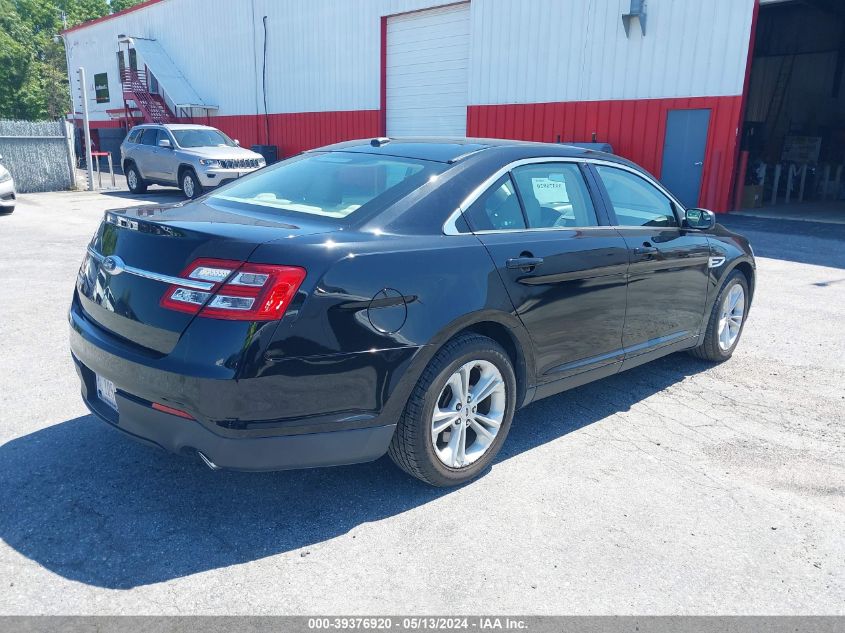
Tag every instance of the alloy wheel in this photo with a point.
(468, 414)
(188, 185)
(730, 317)
(132, 178)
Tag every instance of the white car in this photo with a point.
(7, 191)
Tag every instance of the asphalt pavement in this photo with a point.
(676, 488)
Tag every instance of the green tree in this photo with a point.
(33, 72)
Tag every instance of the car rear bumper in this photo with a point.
(301, 417)
(137, 418)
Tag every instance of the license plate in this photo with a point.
(106, 391)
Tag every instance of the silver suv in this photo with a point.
(192, 157)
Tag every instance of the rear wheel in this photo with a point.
(459, 414)
(726, 320)
(134, 181)
(190, 184)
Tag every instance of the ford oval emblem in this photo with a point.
(113, 265)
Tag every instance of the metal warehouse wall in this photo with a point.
(539, 69)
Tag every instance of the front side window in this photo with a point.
(554, 196)
(497, 209)
(202, 138)
(149, 137)
(635, 200)
(333, 184)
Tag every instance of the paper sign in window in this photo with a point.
(549, 190)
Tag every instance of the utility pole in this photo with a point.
(86, 123)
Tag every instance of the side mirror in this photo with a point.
(165, 143)
(701, 219)
(237, 142)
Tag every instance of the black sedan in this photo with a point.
(394, 296)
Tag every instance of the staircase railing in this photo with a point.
(136, 88)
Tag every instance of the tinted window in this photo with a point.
(134, 134)
(554, 195)
(334, 184)
(202, 138)
(636, 201)
(497, 209)
(149, 137)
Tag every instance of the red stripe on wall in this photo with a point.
(383, 78)
(635, 128)
(102, 125)
(299, 131)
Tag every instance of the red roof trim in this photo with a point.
(142, 5)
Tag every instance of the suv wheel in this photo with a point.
(190, 184)
(134, 181)
(458, 415)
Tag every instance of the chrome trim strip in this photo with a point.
(450, 226)
(147, 274)
(99, 258)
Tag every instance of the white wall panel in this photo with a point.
(325, 55)
(576, 50)
(322, 54)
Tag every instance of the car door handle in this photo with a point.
(645, 249)
(524, 262)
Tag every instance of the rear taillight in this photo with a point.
(238, 291)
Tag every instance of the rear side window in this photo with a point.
(636, 201)
(497, 209)
(554, 196)
(134, 134)
(333, 184)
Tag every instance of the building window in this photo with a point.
(121, 64)
(101, 87)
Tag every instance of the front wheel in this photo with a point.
(459, 414)
(726, 320)
(134, 181)
(190, 185)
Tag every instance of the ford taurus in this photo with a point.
(394, 296)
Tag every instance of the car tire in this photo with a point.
(190, 184)
(134, 181)
(440, 414)
(727, 320)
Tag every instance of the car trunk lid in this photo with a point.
(138, 252)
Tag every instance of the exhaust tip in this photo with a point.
(207, 461)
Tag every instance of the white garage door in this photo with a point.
(428, 72)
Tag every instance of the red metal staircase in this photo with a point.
(151, 105)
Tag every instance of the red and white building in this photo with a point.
(666, 87)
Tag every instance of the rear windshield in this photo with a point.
(202, 138)
(333, 185)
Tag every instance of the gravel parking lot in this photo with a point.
(676, 488)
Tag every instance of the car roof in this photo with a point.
(176, 126)
(452, 150)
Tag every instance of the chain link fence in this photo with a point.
(39, 154)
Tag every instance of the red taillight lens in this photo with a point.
(242, 292)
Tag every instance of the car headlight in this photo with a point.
(209, 162)
(262, 162)
(5, 176)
